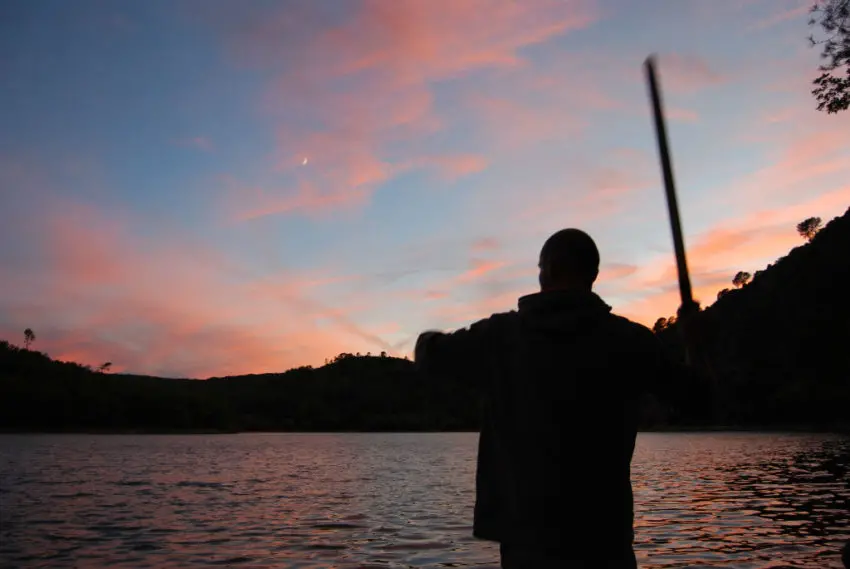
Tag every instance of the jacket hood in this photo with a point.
(564, 312)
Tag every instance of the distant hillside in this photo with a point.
(351, 393)
(778, 347)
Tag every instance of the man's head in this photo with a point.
(569, 260)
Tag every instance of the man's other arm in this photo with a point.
(688, 387)
(461, 356)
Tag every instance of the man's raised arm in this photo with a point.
(460, 356)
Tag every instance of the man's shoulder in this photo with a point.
(628, 324)
(496, 323)
(499, 319)
(633, 330)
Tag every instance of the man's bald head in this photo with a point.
(569, 260)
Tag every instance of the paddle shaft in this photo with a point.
(670, 188)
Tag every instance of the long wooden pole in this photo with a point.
(670, 187)
(689, 307)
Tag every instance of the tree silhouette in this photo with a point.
(832, 87)
(659, 325)
(29, 338)
(104, 367)
(808, 228)
(722, 293)
(741, 279)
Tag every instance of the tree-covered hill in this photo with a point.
(779, 345)
(350, 393)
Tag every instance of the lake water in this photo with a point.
(393, 500)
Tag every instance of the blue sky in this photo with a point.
(207, 188)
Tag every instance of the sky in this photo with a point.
(206, 188)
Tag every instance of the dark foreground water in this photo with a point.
(393, 500)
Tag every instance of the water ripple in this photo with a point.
(747, 501)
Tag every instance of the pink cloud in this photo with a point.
(737, 248)
(472, 287)
(600, 187)
(556, 99)
(432, 40)
(75, 246)
(512, 124)
(364, 86)
(461, 314)
(479, 269)
(435, 295)
(781, 115)
(451, 167)
(485, 244)
(578, 81)
(253, 203)
(804, 157)
(685, 73)
(342, 187)
(650, 307)
(96, 291)
(783, 15)
(615, 272)
(747, 243)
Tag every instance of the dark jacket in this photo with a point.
(561, 379)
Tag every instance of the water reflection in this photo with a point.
(742, 500)
(392, 501)
(804, 495)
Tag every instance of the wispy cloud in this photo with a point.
(688, 73)
(479, 268)
(485, 244)
(511, 124)
(802, 157)
(783, 14)
(96, 291)
(746, 243)
(363, 87)
(599, 186)
(615, 272)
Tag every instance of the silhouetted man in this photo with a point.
(561, 377)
